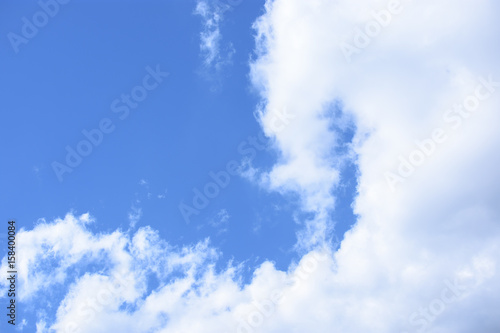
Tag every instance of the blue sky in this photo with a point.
(312, 132)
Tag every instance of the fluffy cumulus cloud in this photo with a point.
(420, 79)
(422, 84)
(107, 282)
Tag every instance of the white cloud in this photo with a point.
(134, 215)
(100, 299)
(221, 218)
(443, 218)
(220, 221)
(20, 326)
(215, 53)
(41, 326)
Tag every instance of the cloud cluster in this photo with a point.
(417, 71)
(106, 282)
(422, 258)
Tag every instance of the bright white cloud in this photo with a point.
(191, 295)
(398, 85)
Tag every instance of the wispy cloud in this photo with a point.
(220, 221)
(215, 53)
(134, 215)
